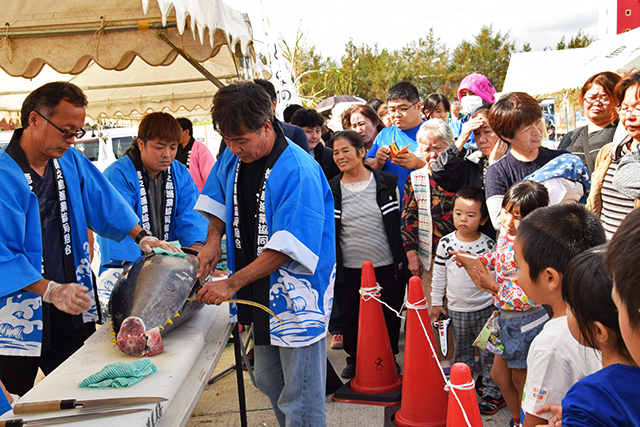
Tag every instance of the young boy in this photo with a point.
(468, 315)
(547, 239)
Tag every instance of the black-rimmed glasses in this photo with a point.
(66, 134)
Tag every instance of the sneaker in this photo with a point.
(337, 342)
(349, 372)
(251, 358)
(489, 405)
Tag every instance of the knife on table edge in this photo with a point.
(87, 405)
(19, 422)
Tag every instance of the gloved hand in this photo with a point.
(147, 243)
(70, 297)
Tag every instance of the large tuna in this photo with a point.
(156, 291)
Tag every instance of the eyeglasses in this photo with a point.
(604, 100)
(66, 134)
(400, 110)
(623, 109)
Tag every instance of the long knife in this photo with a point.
(19, 422)
(87, 405)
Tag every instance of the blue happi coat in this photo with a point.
(186, 226)
(92, 204)
(299, 214)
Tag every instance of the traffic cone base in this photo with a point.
(345, 394)
(376, 381)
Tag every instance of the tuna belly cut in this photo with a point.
(134, 340)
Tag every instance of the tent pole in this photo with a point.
(162, 35)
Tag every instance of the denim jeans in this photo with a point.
(293, 378)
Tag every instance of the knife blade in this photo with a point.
(19, 422)
(87, 405)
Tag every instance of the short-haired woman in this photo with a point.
(517, 119)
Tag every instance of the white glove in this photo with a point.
(70, 297)
(145, 243)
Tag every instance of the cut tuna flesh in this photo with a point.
(134, 340)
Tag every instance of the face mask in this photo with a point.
(470, 103)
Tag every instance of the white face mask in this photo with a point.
(470, 103)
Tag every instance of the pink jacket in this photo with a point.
(200, 164)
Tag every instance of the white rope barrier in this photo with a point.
(374, 293)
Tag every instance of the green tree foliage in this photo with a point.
(579, 40)
(487, 54)
(367, 71)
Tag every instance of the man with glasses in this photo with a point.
(50, 196)
(274, 203)
(405, 108)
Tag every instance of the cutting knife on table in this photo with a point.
(87, 405)
(19, 422)
(442, 325)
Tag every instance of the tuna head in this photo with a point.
(155, 291)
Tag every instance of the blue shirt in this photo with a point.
(402, 138)
(608, 398)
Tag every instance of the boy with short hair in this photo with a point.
(547, 239)
(468, 314)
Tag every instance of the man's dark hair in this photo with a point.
(475, 194)
(240, 108)
(513, 111)
(550, 237)
(623, 264)
(186, 124)
(307, 118)
(403, 90)
(290, 111)
(375, 103)
(268, 87)
(160, 126)
(46, 99)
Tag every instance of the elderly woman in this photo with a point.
(426, 207)
(517, 119)
(598, 100)
(615, 182)
(367, 216)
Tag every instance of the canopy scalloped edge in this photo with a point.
(214, 15)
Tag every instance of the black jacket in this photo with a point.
(386, 185)
(455, 169)
(324, 156)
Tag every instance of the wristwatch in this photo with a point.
(141, 235)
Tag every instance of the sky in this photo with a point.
(329, 24)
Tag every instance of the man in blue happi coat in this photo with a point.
(50, 196)
(160, 190)
(274, 204)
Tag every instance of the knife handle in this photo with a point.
(12, 423)
(47, 406)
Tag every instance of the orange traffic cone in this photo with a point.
(423, 381)
(377, 381)
(464, 388)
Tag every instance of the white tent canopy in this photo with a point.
(175, 86)
(68, 35)
(547, 72)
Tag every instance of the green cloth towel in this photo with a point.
(120, 375)
(166, 252)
